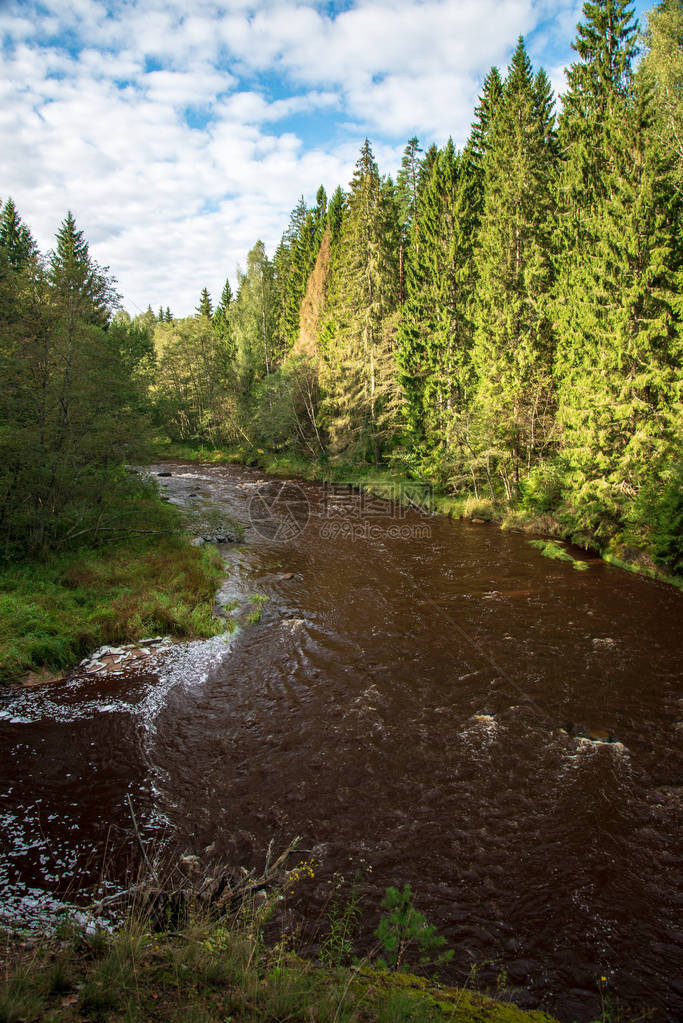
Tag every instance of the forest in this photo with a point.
(504, 320)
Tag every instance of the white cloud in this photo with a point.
(166, 127)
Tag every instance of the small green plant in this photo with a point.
(403, 933)
(344, 917)
(552, 550)
(259, 599)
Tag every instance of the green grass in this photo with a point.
(216, 970)
(637, 568)
(52, 613)
(551, 549)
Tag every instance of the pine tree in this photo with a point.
(358, 372)
(205, 307)
(662, 66)
(619, 354)
(435, 334)
(513, 340)
(15, 238)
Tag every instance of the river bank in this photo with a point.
(394, 485)
(54, 612)
(213, 970)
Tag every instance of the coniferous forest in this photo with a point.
(504, 320)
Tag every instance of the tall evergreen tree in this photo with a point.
(222, 323)
(619, 355)
(407, 190)
(205, 307)
(606, 45)
(435, 334)
(662, 65)
(513, 339)
(358, 372)
(15, 238)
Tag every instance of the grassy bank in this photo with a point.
(54, 612)
(395, 485)
(210, 970)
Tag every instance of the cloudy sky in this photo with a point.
(179, 133)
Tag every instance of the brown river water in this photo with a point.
(422, 700)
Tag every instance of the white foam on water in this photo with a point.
(187, 665)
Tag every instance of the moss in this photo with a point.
(440, 1003)
(552, 550)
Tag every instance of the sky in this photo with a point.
(179, 134)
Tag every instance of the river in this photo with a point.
(422, 700)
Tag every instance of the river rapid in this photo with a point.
(422, 700)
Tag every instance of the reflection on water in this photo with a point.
(430, 697)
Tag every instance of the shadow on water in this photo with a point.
(428, 698)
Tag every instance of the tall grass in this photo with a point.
(54, 612)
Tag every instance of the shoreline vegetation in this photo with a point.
(55, 612)
(547, 532)
(213, 970)
(199, 944)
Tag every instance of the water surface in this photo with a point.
(417, 699)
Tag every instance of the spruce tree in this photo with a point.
(619, 353)
(205, 307)
(662, 65)
(606, 45)
(15, 238)
(222, 323)
(435, 334)
(512, 352)
(358, 371)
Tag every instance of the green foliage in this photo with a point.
(344, 917)
(357, 368)
(541, 489)
(73, 397)
(513, 403)
(404, 933)
(218, 970)
(205, 307)
(552, 550)
(52, 613)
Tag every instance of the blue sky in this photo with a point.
(179, 134)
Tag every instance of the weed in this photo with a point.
(344, 917)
